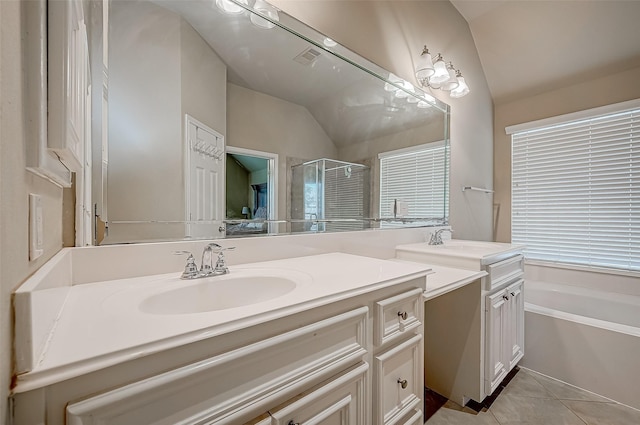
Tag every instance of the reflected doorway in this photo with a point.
(251, 191)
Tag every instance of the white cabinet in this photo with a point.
(357, 361)
(415, 418)
(399, 381)
(398, 362)
(69, 82)
(505, 333)
(341, 401)
(219, 389)
(515, 335)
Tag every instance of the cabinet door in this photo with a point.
(416, 418)
(398, 381)
(69, 111)
(341, 401)
(496, 369)
(515, 328)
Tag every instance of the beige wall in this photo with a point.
(160, 73)
(603, 91)
(15, 185)
(391, 34)
(276, 126)
(367, 153)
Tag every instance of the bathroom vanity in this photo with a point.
(340, 342)
(474, 335)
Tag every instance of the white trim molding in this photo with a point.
(574, 116)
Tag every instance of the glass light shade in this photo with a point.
(393, 79)
(267, 10)
(423, 105)
(429, 98)
(424, 65)
(329, 42)
(230, 7)
(461, 90)
(452, 82)
(408, 88)
(441, 73)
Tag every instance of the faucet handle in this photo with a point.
(219, 248)
(190, 269)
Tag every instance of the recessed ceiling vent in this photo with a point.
(307, 57)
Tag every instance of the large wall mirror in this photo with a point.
(224, 119)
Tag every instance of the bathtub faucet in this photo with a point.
(436, 237)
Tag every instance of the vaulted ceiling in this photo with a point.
(529, 47)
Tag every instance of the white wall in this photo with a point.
(614, 88)
(16, 184)
(391, 34)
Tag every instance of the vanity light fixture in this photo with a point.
(393, 85)
(227, 6)
(440, 75)
(261, 7)
(261, 11)
(462, 89)
(329, 42)
(408, 88)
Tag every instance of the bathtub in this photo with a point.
(585, 337)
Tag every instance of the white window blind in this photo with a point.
(576, 191)
(419, 177)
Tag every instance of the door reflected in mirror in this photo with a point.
(251, 201)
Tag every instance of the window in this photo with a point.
(417, 176)
(576, 189)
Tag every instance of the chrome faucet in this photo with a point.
(436, 237)
(207, 268)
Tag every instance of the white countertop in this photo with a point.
(101, 325)
(446, 279)
(458, 253)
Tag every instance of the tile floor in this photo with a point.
(533, 399)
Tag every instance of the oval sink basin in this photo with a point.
(217, 293)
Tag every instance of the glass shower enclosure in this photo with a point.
(329, 196)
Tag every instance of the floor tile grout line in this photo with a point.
(533, 374)
(494, 417)
(571, 410)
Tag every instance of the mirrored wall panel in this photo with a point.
(209, 115)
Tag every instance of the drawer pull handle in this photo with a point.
(513, 294)
(504, 297)
(293, 423)
(403, 315)
(403, 383)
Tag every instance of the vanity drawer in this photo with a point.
(341, 400)
(234, 387)
(398, 382)
(414, 418)
(504, 271)
(396, 316)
